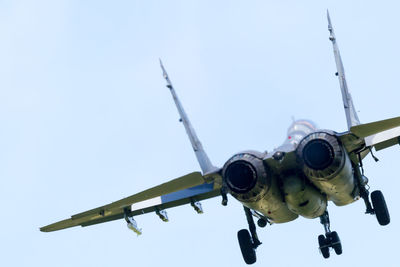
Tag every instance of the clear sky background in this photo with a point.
(86, 120)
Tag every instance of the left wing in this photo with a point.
(186, 189)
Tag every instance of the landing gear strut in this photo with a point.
(378, 206)
(249, 241)
(330, 239)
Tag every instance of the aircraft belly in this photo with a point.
(302, 198)
(272, 205)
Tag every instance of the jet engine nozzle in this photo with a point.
(318, 154)
(240, 176)
(249, 180)
(321, 154)
(327, 165)
(245, 175)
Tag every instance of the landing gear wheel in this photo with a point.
(262, 222)
(323, 246)
(335, 243)
(380, 208)
(246, 246)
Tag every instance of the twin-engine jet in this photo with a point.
(299, 178)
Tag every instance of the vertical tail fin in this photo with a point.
(351, 114)
(202, 158)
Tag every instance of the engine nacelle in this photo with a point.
(327, 165)
(249, 181)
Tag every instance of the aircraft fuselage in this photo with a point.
(291, 180)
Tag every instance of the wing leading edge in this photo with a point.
(186, 189)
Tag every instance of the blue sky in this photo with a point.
(86, 120)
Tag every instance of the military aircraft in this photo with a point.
(313, 166)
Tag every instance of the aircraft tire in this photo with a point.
(246, 246)
(323, 246)
(335, 240)
(262, 223)
(380, 208)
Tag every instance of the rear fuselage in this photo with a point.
(310, 168)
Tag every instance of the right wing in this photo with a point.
(380, 135)
(180, 191)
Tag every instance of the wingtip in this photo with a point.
(45, 229)
(67, 223)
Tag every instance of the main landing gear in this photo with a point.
(330, 239)
(378, 205)
(248, 240)
(380, 209)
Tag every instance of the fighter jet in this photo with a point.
(311, 168)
